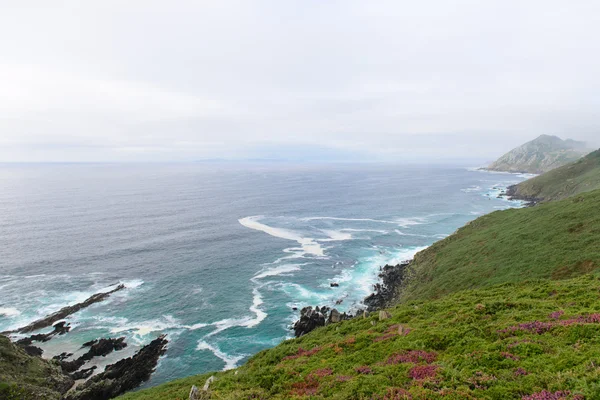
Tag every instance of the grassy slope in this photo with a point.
(454, 349)
(472, 359)
(553, 240)
(568, 180)
(26, 377)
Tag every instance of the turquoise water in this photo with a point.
(215, 255)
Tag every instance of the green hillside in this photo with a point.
(554, 240)
(26, 377)
(506, 342)
(571, 179)
(513, 340)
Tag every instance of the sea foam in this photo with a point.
(309, 245)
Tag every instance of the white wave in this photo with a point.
(347, 219)
(471, 189)
(133, 283)
(309, 245)
(278, 270)
(230, 361)
(144, 328)
(335, 236)
(9, 311)
(410, 234)
(363, 230)
(406, 222)
(257, 301)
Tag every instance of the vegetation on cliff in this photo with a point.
(513, 341)
(578, 177)
(28, 377)
(554, 240)
(518, 336)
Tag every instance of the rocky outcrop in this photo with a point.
(98, 348)
(65, 312)
(311, 319)
(385, 292)
(59, 328)
(124, 375)
(540, 155)
(512, 193)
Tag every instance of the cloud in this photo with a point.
(346, 80)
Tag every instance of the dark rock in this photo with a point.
(122, 376)
(385, 292)
(513, 194)
(88, 344)
(84, 373)
(294, 308)
(334, 284)
(33, 350)
(65, 312)
(62, 356)
(311, 319)
(101, 347)
(60, 328)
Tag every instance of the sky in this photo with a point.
(304, 80)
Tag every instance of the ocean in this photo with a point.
(215, 255)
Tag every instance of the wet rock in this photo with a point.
(65, 312)
(385, 292)
(84, 373)
(101, 347)
(59, 328)
(62, 356)
(88, 344)
(334, 284)
(122, 376)
(33, 350)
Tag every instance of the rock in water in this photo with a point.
(124, 375)
(65, 312)
(392, 276)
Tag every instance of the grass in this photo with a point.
(571, 179)
(537, 338)
(26, 377)
(554, 240)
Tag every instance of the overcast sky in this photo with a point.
(308, 79)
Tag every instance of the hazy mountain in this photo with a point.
(540, 155)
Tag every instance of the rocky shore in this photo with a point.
(512, 193)
(384, 293)
(64, 312)
(116, 379)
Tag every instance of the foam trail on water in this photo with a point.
(260, 314)
(230, 361)
(9, 311)
(278, 270)
(347, 219)
(335, 236)
(308, 244)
